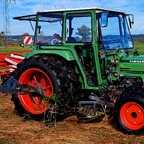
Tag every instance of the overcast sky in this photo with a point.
(135, 7)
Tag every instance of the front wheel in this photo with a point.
(129, 114)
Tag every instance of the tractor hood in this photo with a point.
(132, 63)
(133, 59)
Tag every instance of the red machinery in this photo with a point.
(9, 63)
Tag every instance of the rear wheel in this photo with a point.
(50, 75)
(129, 114)
(42, 79)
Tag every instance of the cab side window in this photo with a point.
(78, 28)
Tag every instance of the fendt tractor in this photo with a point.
(83, 63)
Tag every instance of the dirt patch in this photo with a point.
(16, 130)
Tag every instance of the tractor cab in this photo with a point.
(91, 34)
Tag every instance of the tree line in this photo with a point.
(6, 40)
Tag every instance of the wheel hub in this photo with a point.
(132, 115)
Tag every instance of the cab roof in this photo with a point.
(60, 11)
(78, 9)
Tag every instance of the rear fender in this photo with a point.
(66, 54)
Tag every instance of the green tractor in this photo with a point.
(83, 63)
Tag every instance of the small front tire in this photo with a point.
(129, 114)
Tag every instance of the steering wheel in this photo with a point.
(54, 42)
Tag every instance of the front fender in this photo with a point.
(132, 89)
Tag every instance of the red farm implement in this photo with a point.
(8, 63)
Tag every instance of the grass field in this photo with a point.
(139, 45)
(14, 48)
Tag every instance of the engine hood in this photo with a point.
(133, 59)
(132, 63)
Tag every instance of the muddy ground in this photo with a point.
(16, 130)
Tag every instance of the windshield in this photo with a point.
(116, 33)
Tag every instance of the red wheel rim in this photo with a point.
(39, 79)
(132, 115)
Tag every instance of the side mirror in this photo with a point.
(104, 19)
(39, 28)
(131, 20)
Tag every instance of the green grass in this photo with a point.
(140, 46)
(15, 48)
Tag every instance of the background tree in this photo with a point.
(84, 31)
(2, 38)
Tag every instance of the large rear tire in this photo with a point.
(48, 71)
(129, 114)
(39, 76)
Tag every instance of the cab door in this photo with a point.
(79, 37)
